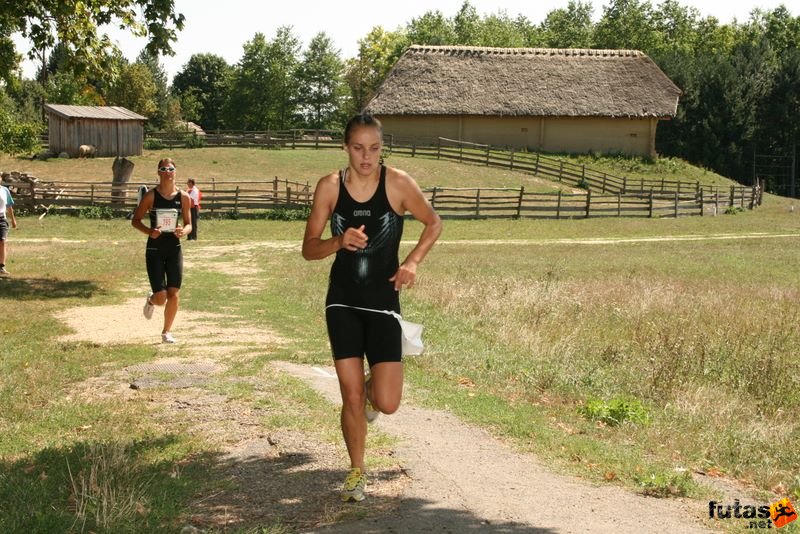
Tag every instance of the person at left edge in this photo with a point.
(163, 255)
(6, 211)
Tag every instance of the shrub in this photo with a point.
(153, 144)
(95, 212)
(614, 412)
(18, 137)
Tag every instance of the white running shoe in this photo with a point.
(148, 307)
(167, 338)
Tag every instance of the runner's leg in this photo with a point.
(350, 372)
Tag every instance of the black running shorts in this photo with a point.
(164, 268)
(357, 333)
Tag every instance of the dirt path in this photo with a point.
(462, 479)
(443, 476)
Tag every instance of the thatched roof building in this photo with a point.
(570, 100)
(112, 130)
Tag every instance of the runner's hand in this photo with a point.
(406, 275)
(354, 239)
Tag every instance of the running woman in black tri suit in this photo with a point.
(163, 255)
(365, 204)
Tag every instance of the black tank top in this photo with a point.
(167, 239)
(384, 228)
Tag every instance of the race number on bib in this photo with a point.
(167, 219)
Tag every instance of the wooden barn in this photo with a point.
(550, 100)
(113, 130)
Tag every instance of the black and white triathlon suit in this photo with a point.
(361, 279)
(163, 255)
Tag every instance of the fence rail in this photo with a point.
(230, 196)
(219, 196)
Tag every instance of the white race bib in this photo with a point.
(167, 220)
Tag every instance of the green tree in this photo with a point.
(135, 90)
(627, 24)
(569, 27)
(158, 117)
(320, 83)
(377, 54)
(432, 28)
(202, 87)
(467, 25)
(76, 23)
(248, 104)
(284, 61)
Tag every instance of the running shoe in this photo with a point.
(369, 411)
(3, 271)
(354, 486)
(167, 338)
(148, 307)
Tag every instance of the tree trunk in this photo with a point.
(122, 169)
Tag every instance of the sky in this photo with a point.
(222, 28)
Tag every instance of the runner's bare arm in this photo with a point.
(143, 209)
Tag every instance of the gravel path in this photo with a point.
(465, 480)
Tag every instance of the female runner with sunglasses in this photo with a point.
(163, 254)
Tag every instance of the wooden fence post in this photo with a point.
(488, 153)
(624, 184)
(619, 205)
(536, 165)
(478, 203)
(236, 201)
(676, 203)
(588, 201)
(511, 160)
(701, 199)
(605, 176)
(439, 149)
(560, 170)
(519, 204)
(414, 149)
(288, 195)
(651, 204)
(275, 189)
(433, 198)
(733, 193)
(558, 206)
(213, 193)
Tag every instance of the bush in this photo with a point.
(614, 412)
(95, 212)
(288, 214)
(18, 137)
(153, 144)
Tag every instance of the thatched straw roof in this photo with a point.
(462, 80)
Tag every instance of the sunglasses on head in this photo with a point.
(166, 169)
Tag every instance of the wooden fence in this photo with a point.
(606, 195)
(516, 203)
(219, 196)
(292, 139)
(563, 171)
(229, 196)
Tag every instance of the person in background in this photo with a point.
(163, 254)
(6, 212)
(365, 203)
(195, 195)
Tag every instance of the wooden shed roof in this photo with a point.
(94, 112)
(464, 80)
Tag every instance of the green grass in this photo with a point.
(631, 362)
